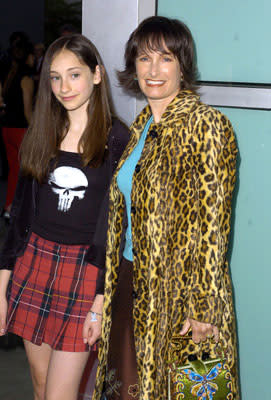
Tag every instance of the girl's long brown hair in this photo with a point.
(50, 122)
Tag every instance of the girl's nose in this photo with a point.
(65, 87)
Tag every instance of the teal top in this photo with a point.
(125, 180)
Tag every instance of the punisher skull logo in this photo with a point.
(68, 183)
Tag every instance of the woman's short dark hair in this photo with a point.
(154, 34)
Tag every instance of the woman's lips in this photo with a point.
(152, 83)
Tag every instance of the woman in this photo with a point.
(175, 179)
(67, 160)
(18, 94)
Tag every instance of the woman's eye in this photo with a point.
(143, 58)
(167, 58)
(54, 78)
(75, 75)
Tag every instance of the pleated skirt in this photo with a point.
(51, 291)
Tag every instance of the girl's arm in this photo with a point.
(4, 279)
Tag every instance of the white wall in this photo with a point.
(109, 23)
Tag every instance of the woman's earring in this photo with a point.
(135, 78)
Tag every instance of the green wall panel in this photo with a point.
(231, 37)
(250, 260)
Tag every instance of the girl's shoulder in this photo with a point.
(118, 138)
(119, 132)
(119, 127)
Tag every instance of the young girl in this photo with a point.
(67, 160)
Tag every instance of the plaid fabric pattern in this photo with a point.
(52, 289)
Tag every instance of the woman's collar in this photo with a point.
(178, 108)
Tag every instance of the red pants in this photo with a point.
(12, 138)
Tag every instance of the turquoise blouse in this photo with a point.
(125, 180)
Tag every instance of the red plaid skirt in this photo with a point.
(52, 289)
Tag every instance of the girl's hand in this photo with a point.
(3, 315)
(92, 329)
(200, 331)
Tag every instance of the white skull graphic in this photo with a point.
(68, 183)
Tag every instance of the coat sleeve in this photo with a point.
(214, 167)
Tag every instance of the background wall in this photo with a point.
(109, 24)
(231, 37)
(233, 41)
(29, 17)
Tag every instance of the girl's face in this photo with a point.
(72, 81)
(159, 75)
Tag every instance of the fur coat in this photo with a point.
(181, 209)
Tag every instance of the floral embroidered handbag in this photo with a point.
(201, 378)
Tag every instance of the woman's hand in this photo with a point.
(200, 331)
(92, 329)
(3, 315)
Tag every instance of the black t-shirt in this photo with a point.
(69, 202)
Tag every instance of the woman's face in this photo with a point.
(72, 81)
(159, 75)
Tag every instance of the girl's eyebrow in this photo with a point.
(69, 69)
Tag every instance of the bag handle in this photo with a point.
(176, 344)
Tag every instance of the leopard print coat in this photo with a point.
(181, 198)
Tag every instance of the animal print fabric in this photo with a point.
(181, 203)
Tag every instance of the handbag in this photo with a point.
(201, 377)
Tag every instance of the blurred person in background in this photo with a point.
(3, 158)
(17, 93)
(67, 29)
(39, 50)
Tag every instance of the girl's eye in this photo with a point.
(75, 75)
(54, 78)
